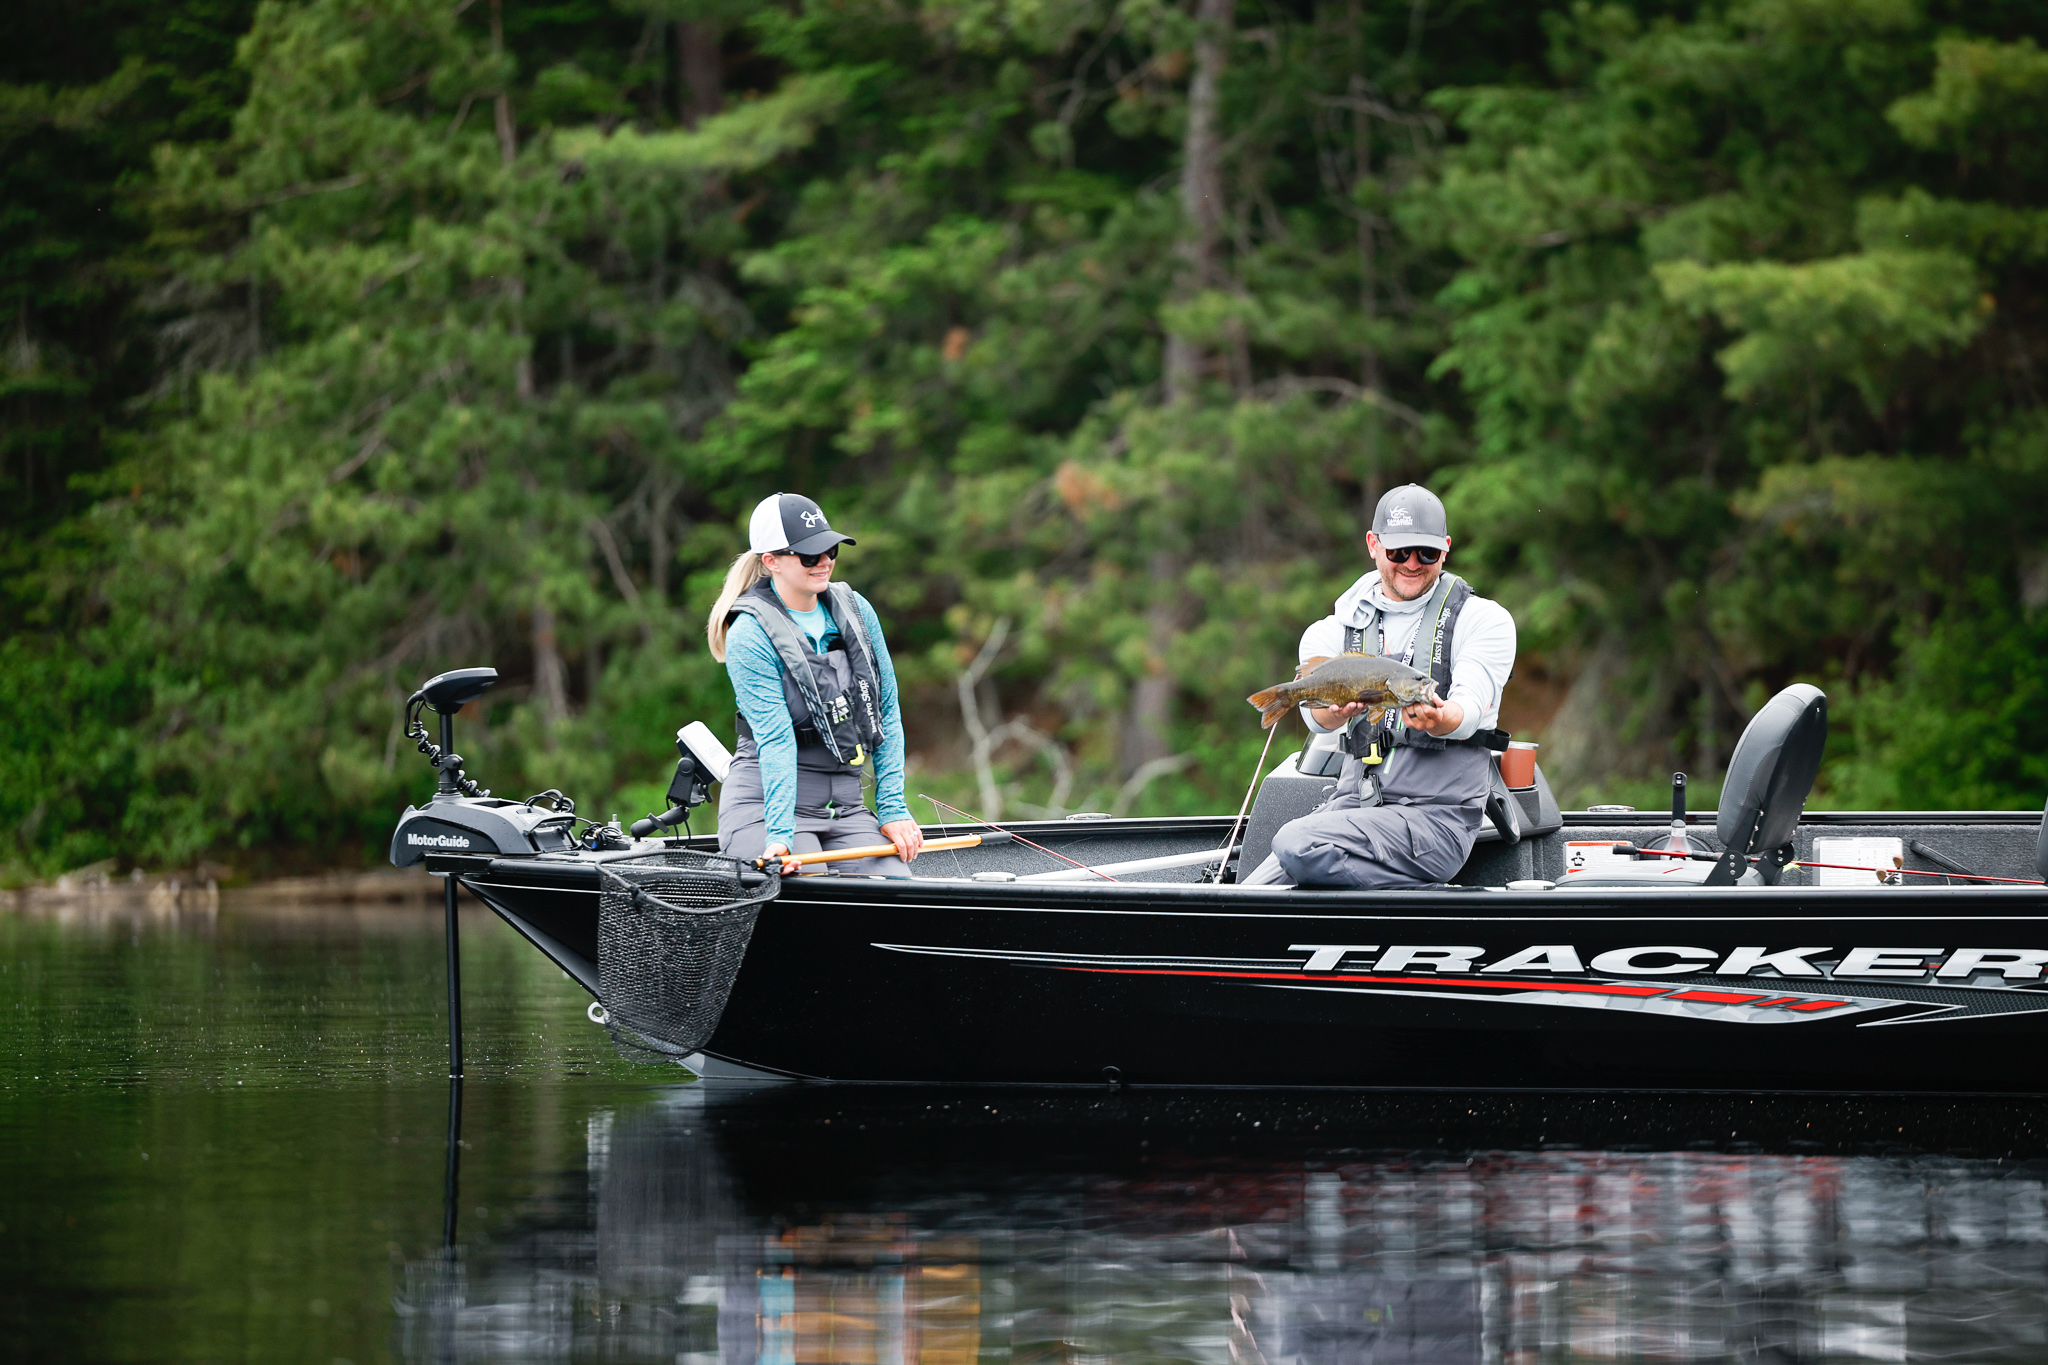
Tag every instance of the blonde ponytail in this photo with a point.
(745, 573)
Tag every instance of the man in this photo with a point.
(1413, 791)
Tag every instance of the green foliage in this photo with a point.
(1739, 362)
(86, 90)
(476, 335)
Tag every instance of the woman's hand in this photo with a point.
(790, 866)
(907, 837)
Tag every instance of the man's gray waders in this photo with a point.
(1419, 827)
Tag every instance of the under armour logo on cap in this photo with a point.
(791, 523)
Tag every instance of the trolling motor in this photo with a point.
(447, 693)
(704, 761)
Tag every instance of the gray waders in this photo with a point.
(1414, 824)
(1416, 832)
(829, 812)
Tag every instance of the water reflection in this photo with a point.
(703, 1247)
(226, 1136)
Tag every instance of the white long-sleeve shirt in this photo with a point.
(1482, 647)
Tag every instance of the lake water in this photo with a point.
(224, 1137)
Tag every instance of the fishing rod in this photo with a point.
(1246, 804)
(885, 850)
(925, 796)
(1625, 849)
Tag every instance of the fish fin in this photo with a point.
(1271, 706)
(1357, 654)
(1309, 666)
(1373, 714)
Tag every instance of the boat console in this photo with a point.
(1770, 776)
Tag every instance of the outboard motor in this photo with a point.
(461, 817)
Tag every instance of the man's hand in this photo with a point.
(778, 849)
(1335, 717)
(907, 837)
(1437, 718)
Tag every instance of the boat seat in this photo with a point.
(1770, 775)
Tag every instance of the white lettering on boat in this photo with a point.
(2014, 964)
(436, 841)
(1565, 959)
(1404, 957)
(1324, 957)
(1628, 961)
(1789, 962)
(1544, 957)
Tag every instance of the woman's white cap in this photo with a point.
(791, 523)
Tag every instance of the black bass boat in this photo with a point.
(1779, 949)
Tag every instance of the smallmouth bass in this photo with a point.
(1383, 684)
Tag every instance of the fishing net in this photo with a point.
(671, 930)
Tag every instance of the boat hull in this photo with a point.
(848, 979)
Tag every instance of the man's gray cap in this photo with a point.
(1411, 515)
(790, 522)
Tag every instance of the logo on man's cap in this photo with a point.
(813, 518)
(1410, 515)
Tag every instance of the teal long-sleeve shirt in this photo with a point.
(756, 672)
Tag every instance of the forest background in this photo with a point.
(344, 341)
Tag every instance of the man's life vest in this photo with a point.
(834, 698)
(1438, 625)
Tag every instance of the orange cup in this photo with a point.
(1518, 765)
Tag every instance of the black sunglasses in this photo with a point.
(1425, 554)
(811, 561)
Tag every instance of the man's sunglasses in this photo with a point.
(1424, 554)
(811, 561)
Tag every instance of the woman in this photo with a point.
(817, 701)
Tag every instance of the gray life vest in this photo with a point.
(834, 698)
(1438, 624)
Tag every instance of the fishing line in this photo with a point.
(1848, 867)
(1246, 804)
(1018, 837)
(941, 825)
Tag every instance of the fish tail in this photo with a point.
(1271, 705)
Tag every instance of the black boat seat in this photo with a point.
(1770, 776)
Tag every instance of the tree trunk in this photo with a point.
(1368, 294)
(508, 152)
(1144, 737)
(550, 676)
(700, 68)
(1200, 246)
(1201, 187)
(660, 497)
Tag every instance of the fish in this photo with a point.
(1381, 683)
